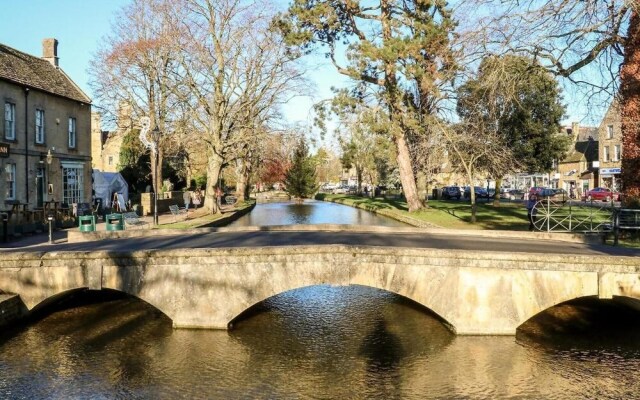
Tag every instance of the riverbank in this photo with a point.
(510, 216)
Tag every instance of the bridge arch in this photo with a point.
(258, 306)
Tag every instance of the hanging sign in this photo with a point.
(4, 150)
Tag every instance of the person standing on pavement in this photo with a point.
(531, 210)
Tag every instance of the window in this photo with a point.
(606, 154)
(72, 184)
(609, 131)
(110, 160)
(40, 126)
(10, 171)
(9, 121)
(72, 133)
(616, 153)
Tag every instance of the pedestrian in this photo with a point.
(572, 191)
(219, 197)
(532, 211)
(186, 196)
(197, 198)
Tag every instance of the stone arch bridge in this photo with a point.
(475, 292)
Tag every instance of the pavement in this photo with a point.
(60, 236)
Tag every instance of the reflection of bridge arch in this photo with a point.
(475, 292)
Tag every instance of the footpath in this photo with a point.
(195, 217)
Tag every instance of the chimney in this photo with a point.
(575, 128)
(50, 51)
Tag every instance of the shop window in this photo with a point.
(10, 172)
(72, 184)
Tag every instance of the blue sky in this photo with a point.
(79, 26)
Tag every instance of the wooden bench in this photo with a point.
(177, 211)
(131, 219)
(625, 219)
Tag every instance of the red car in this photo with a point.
(601, 193)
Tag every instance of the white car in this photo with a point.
(341, 190)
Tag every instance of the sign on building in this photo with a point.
(4, 150)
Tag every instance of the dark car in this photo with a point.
(481, 193)
(451, 192)
(601, 193)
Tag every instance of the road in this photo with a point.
(290, 238)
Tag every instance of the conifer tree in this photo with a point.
(300, 179)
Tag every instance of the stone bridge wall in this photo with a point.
(475, 292)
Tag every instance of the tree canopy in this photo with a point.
(300, 179)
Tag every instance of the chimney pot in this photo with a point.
(50, 51)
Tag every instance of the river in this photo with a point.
(319, 342)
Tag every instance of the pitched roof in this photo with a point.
(37, 73)
(587, 148)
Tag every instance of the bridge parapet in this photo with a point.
(475, 292)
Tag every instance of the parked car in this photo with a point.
(451, 192)
(601, 193)
(513, 194)
(481, 193)
(341, 190)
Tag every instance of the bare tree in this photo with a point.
(234, 72)
(134, 69)
(591, 43)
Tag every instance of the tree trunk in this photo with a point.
(407, 177)
(214, 168)
(630, 112)
(496, 196)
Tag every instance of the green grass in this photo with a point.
(449, 214)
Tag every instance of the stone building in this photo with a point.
(45, 142)
(579, 167)
(610, 137)
(105, 148)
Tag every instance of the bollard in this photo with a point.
(50, 218)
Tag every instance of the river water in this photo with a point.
(319, 342)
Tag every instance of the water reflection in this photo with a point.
(319, 342)
(311, 212)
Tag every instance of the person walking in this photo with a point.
(219, 198)
(197, 198)
(532, 211)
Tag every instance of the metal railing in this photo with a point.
(574, 216)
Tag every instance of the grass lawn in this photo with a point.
(450, 214)
(203, 219)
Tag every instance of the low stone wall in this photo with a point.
(165, 200)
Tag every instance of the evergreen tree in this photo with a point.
(300, 179)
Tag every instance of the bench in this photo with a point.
(177, 211)
(131, 218)
(625, 219)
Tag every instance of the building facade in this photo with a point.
(610, 137)
(45, 132)
(579, 169)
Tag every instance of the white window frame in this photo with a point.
(609, 131)
(617, 152)
(9, 121)
(10, 172)
(607, 156)
(72, 133)
(39, 126)
(72, 183)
